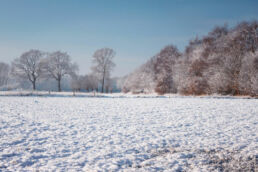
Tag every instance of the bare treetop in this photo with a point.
(102, 59)
(29, 66)
(57, 65)
(60, 64)
(103, 64)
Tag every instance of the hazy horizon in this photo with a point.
(136, 30)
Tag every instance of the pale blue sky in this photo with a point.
(135, 29)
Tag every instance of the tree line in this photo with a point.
(225, 61)
(35, 65)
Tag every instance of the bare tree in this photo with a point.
(29, 66)
(103, 64)
(77, 82)
(86, 82)
(57, 65)
(90, 82)
(4, 73)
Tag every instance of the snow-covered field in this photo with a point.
(128, 134)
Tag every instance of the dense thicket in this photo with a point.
(225, 61)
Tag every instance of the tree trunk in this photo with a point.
(59, 85)
(103, 82)
(34, 85)
(107, 89)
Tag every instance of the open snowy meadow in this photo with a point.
(128, 134)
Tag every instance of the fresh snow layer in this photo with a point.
(127, 134)
(25, 93)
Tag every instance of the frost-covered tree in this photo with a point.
(84, 82)
(214, 64)
(28, 66)
(103, 64)
(248, 76)
(90, 83)
(57, 65)
(77, 82)
(222, 62)
(4, 73)
(239, 42)
(142, 80)
(156, 74)
(164, 69)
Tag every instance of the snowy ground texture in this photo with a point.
(128, 134)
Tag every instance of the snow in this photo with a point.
(24, 93)
(127, 134)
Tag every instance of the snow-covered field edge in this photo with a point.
(114, 95)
